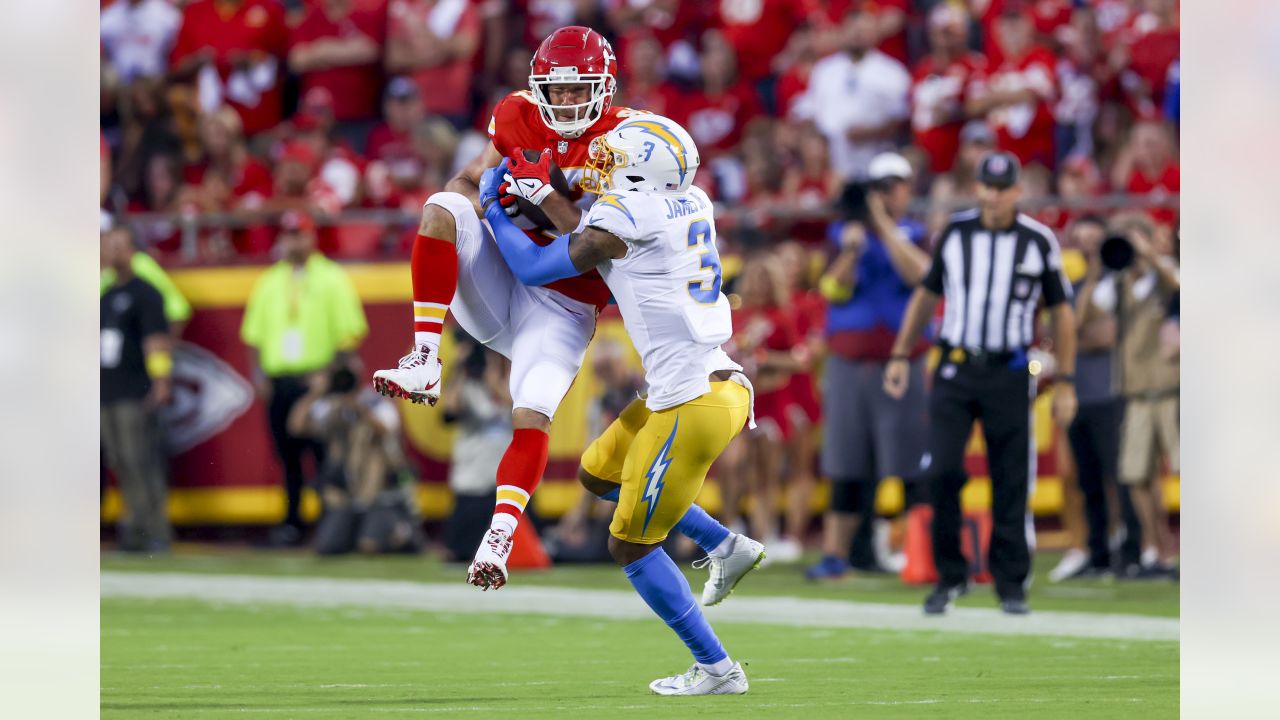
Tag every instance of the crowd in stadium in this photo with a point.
(234, 112)
(250, 107)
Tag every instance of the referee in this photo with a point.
(994, 265)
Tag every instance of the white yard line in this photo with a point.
(460, 598)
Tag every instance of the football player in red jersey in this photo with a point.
(543, 330)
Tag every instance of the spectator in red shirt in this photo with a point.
(1046, 17)
(643, 86)
(337, 46)
(890, 23)
(1148, 165)
(757, 31)
(717, 112)
(434, 42)
(1150, 55)
(338, 166)
(764, 337)
(1016, 97)
(674, 24)
(244, 181)
(811, 185)
(940, 82)
(403, 109)
(234, 50)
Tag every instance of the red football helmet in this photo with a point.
(573, 55)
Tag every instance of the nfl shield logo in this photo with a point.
(562, 147)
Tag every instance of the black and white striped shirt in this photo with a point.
(992, 280)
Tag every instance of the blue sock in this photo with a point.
(696, 524)
(703, 529)
(664, 589)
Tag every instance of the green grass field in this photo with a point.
(178, 657)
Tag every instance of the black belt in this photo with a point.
(978, 358)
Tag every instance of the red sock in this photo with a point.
(518, 476)
(435, 278)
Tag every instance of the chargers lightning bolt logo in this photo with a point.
(655, 475)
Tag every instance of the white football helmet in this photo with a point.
(647, 152)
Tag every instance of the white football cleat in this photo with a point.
(745, 556)
(489, 569)
(700, 682)
(416, 380)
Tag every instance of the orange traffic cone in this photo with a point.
(527, 552)
(919, 569)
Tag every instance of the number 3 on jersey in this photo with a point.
(700, 236)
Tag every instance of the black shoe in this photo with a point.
(1015, 606)
(285, 536)
(943, 597)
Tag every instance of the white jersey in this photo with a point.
(668, 288)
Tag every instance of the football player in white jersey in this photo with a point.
(652, 237)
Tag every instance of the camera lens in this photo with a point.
(1117, 253)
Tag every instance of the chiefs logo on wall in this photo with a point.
(208, 395)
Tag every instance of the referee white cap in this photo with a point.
(889, 165)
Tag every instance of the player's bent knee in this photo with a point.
(624, 553)
(529, 419)
(441, 215)
(593, 484)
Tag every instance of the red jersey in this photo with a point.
(810, 312)
(1046, 17)
(516, 123)
(937, 106)
(1026, 129)
(759, 329)
(716, 121)
(1167, 182)
(1150, 57)
(355, 88)
(255, 26)
(445, 88)
(758, 30)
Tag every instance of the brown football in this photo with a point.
(534, 213)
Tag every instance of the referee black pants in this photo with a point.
(1001, 398)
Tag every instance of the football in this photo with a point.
(532, 212)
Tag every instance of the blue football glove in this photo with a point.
(490, 181)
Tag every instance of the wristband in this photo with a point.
(159, 364)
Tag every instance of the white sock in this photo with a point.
(504, 521)
(724, 549)
(719, 669)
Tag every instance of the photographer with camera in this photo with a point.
(1094, 435)
(1145, 282)
(868, 435)
(366, 506)
(477, 406)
